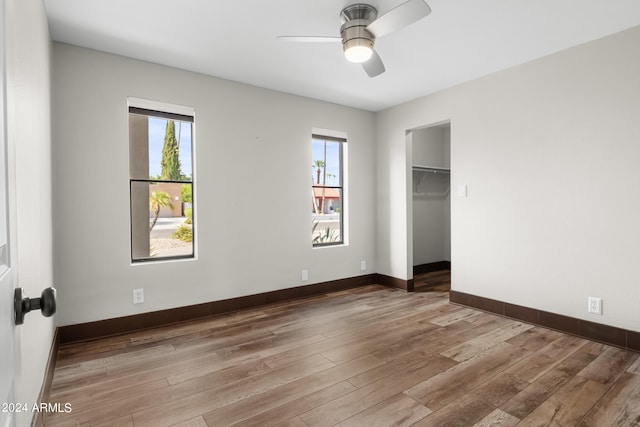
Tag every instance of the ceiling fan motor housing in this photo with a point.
(355, 19)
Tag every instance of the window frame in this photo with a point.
(340, 188)
(162, 113)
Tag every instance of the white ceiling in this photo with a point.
(236, 40)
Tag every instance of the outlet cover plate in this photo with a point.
(138, 296)
(595, 305)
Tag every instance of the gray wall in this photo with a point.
(253, 173)
(28, 62)
(549, 151)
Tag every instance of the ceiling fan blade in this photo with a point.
(405, 14)
(310, 39)
(374, 65)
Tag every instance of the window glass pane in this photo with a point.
(327, 228)
(173, 133)
(331, 159)
(161, 222)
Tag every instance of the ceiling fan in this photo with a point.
(361, 26)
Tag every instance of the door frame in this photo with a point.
(409, 186)
(7, 279)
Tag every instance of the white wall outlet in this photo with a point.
(363, 265)
(462, 190)
(595, 305)
(138, 296)
(305, 275)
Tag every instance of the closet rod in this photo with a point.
(431, 169)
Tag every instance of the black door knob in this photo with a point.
(22, 305)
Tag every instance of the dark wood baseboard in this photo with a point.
(394, 282)
(45, 391)
(431, 267)
(623, 338)
(136, 322)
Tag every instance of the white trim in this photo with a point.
(173, 109)
(319, 132)
(160, 106)
(151, 261)
(328, 132)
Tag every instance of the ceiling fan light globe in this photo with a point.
(358, 54)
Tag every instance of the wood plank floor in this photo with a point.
(371, 356)
(435, 281)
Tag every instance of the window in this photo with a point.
(161, 185)
(327, 191)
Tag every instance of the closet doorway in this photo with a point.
(430, 149)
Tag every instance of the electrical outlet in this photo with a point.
(363, 265)
(595, 305)
(138, 296)
(305, 275)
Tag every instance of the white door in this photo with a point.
(7, 346)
